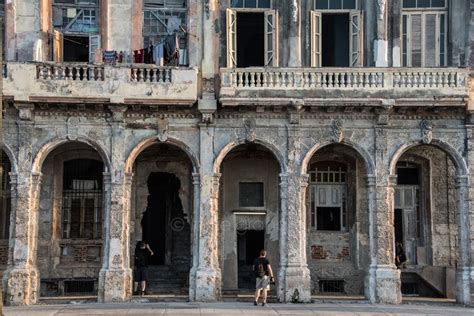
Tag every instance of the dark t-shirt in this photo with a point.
(264, 262)
(141, 257)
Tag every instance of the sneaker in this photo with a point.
(255, 303)
(135, 292)
(263, 303)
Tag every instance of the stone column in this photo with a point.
(22, 37)
(115, 277)
(119, 27)
(381, 43)
(294, 34)
(195, 236)
(208, 273)
(21, 279)
(464, 277)
(295, 279)
(384, 278)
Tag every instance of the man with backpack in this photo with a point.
(264, 276)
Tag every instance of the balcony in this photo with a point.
(347, 87)
(85, 83)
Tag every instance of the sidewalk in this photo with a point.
(234, 308)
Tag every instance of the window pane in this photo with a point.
(250, 3)
(251, 194)
(237, 3)
(423, 3)
(437, 3)
(409, 3)
(430, 40)
(322, 4)
(264, 3)
(349, 4)
(335, 4)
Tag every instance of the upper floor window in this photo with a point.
(164, 18)
(335, 4)
(76, 36)
(336, 34)
(261, 4)
(252, 35)
(424, 33)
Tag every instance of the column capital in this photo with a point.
(370, 180)
(13, 178)
(128, 178)
(304, 180)
(107, 178)
(25, 111)
(392, 180)
(462, 181)
(36, 178)
(196, 178)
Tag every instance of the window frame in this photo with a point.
(446, 7)
(79, 7)
(263, 207)
(335, 10)
(343, 200)
(256, 9)
(423, 13)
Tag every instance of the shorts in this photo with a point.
(263, 283)
(140, 274)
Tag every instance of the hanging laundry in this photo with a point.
(109, 56)
(138, 56)
(159, 54)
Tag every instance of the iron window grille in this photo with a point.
(5, 197)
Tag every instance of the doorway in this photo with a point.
(335, 40)
(250, 40)
(249, 245)
(162, 203)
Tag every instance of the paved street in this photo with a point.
(235, 308)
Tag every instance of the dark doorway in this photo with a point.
(163, 202)
(249, 244)
(76, 48)
(250, 40)
(335, 40)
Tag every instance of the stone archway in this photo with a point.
(337, 219)
(249, 211)
(437, 248)
(70, 218)
(162, 212)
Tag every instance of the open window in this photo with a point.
(76, 30)
(252, 38)
(336, 34)
(424, 33)
(162, 18)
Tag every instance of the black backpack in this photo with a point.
(260, 269)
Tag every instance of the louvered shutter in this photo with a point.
(231, 38)
(316, 24)
(430, 42)
(94, 44)
(271, 38)
(58, 47)
(356, 39)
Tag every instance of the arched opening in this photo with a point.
(70, 220)
(426, 222)
(249, 214)
(337, 221)
(5, 209)
(162, 213)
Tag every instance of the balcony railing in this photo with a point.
(324, 78)
(124, 83)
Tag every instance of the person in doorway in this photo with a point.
(142, 253)
(400, 257)
(263, 275)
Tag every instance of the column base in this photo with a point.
(115, 286)
(464, 282)
(385, 284)
(21, 286)
(295, 285)
(207, 285)
(192, 284)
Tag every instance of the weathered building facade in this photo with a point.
(325, 131)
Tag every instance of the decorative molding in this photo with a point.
(426, 131)
(162, 127)
(118, 112)
(249, 128)
(294, 11)
(207, 9)
(25, 111)
(381, 8)
(337, 131)
(207, 117)
(72, 125)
